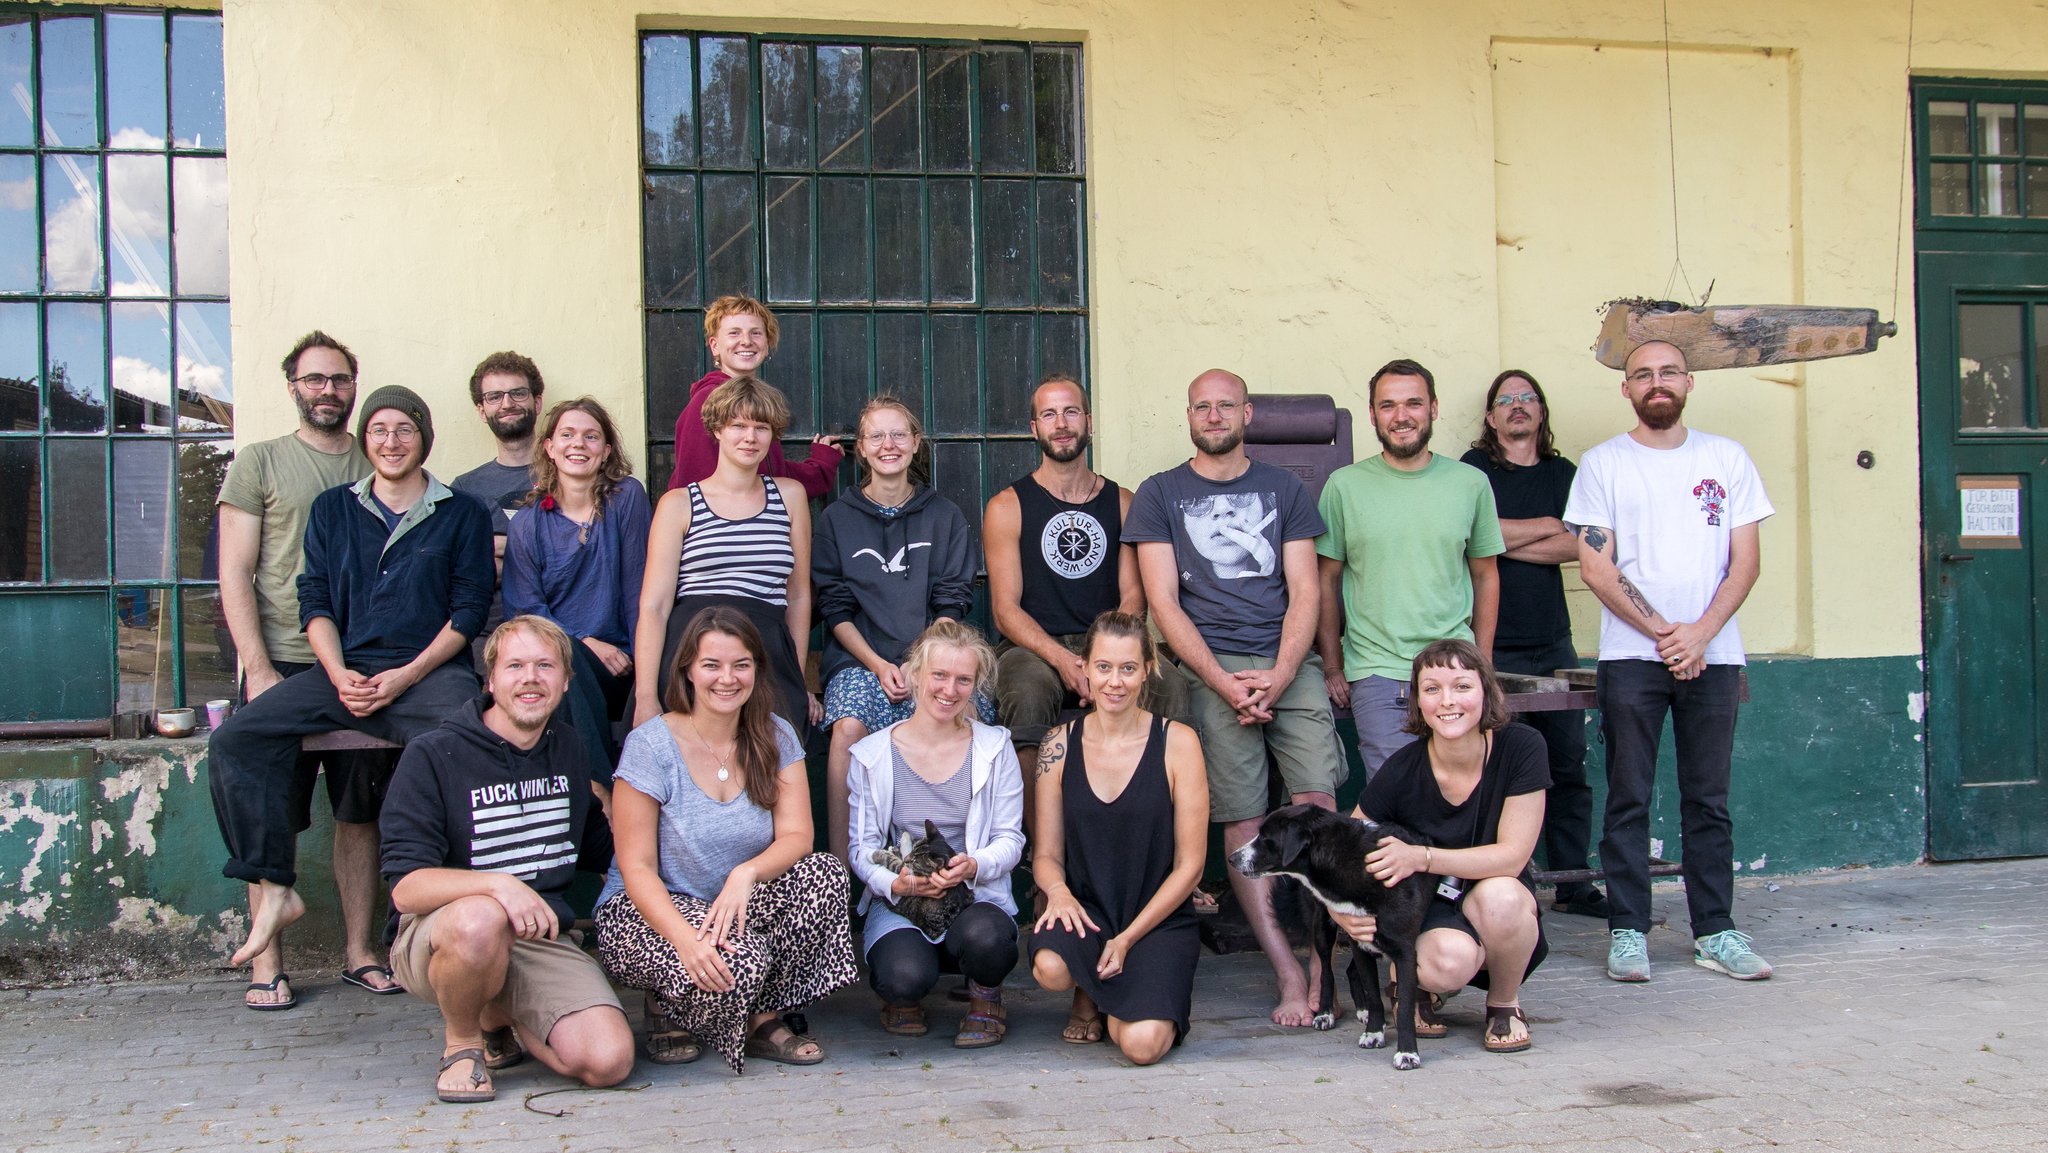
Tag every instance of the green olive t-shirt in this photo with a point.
(277, 481)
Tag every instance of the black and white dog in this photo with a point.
(1326, 853)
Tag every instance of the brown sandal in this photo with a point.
(480, 1087)
(904, 1020)
(762, 1045)
(1428, 1023)
(1082, 1029)
(502, 1049)
(1499, 1035)
(985, 1022)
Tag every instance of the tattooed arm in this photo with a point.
(1616, 591)
(1049, 849)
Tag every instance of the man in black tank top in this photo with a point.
(1056, 560)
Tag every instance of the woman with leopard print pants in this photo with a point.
(716, 904)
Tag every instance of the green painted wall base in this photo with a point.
(114, 841)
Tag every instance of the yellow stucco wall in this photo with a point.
(1299, 191)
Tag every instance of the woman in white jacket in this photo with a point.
(944, 766)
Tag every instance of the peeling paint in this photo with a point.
(1916, 707)
(36, 908)
(101, 831)
(142, 915)
(1757, 865)
(16, 806)
(147, 783)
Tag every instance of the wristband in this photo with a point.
(1428, 859)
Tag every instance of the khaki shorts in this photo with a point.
(1302, 738)
(546, 981)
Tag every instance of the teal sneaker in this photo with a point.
(1628, 958)
(1728, 952)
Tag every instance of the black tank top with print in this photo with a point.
(1069, 556)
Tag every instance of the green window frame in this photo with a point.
(913, 211)
(116, 384)
(1981, 155)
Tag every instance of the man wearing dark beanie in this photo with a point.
(397, 578)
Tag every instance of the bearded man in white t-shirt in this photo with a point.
(1667, 519)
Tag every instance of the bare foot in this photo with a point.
(1294, 1011)
(280, 907)
(280, 992)
(1084, 1021)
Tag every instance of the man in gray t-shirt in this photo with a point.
(1226, 547)
(506, 389)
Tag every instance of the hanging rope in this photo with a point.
(1678, 273)
(1905, 161)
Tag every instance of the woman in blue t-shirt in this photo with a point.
(1472, 789)
(716, 904)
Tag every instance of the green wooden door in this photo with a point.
(1984, 436)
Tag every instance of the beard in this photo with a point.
(1062, 455)
(1220, 443)
(519, 428)
(1663, 416)
(1406, 452)
(313, 412)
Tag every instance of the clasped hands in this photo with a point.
(959, 870)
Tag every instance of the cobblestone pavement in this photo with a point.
(1901, 1017)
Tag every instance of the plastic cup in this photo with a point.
(217, 712)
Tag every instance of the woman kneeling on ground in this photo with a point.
(940, 765)
(716, 903)
(1119, 929)
(1473, 788)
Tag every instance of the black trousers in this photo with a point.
(981, 942)
(1568, 807)
(251, 761)
(1635, 696)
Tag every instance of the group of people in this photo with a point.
(356, 584)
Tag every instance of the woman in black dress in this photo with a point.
(1472, 789)
(1118, 927)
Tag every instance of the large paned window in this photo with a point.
(116, 400)
(911, 211)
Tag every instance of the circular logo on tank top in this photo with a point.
(1074, 544)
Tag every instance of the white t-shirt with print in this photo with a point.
(1672, 513)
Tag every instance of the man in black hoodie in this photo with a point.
(480, 829)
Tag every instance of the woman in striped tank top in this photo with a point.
(735, 538)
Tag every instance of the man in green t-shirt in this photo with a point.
(1411, 540)
(264, 503)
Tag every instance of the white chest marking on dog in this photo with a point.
(1344, 907)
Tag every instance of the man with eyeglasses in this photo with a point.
(1226, 548)
(264, 505)
(1668, 524)
(1057, 559)
(1531, 480)
(506, 389)
(1408, 560)
(396, 581)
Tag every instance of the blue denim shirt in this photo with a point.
(390, 591)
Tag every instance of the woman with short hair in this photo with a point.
(1472, 789)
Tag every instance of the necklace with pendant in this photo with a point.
(724, 774)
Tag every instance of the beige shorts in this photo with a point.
(547, 980)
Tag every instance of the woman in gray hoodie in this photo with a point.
(889, 557)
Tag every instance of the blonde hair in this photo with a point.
(746, 397)
(538, 627)
(920, 458)
(948, 633)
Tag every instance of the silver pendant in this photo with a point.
(723, 774)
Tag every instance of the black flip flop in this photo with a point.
(270, 987)
(355, 977)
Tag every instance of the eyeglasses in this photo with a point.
(893, 436)
(1071, 413)
(494, 399)
(322, 382)
(403, 434)
(1506, 399)
(1669, 374)
(1222, 408)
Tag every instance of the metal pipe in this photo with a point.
(53, 730)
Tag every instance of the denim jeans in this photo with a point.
(1634, 698)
